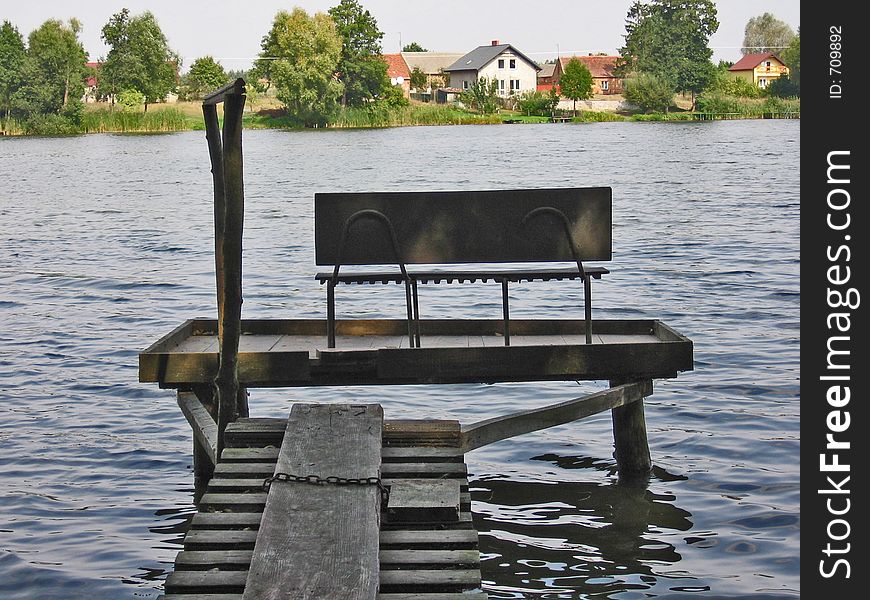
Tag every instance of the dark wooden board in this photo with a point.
(464, 226)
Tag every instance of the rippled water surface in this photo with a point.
(106, 244)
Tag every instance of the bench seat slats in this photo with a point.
(439, 276)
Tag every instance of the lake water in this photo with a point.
(106, 245)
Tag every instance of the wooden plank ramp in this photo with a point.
(419, 557)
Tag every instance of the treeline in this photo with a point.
(316, 63)
(667, 52)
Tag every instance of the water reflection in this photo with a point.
(614, 535)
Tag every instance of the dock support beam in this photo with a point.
(630, 439)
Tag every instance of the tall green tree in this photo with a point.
(766, 33)
(360, 70)
(576, 82)
(54, 68)
(413, 47)
(670, 39)
(418, 79)
(792, 58)
(140, 58)
(790, 86)
(12, 55)
(205, 75)
(300, 55)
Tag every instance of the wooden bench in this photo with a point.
(457, 237)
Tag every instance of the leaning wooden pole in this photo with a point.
(228, 244)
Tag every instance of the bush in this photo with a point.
(741, 88)
(394, 96)
(537, 103)
(131, 99)
(650, 93)
(784, 87)
(50, 124)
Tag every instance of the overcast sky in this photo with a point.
(231, 31)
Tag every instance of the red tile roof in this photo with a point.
(396, 66)
(599, 66)
(750, 61)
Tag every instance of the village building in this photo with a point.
(604, 82)
(759, 69)
(515, 72)
(433, 65)
(398, 72)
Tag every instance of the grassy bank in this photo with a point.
(118, 121)
(187, 116)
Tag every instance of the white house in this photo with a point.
(514, 71)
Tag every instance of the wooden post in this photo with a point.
(226, 158)
(629, 438)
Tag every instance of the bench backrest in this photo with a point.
(463, 227)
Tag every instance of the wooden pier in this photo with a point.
(418, 557)
(335, 501)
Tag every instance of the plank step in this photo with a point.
(206, 582)
(226, 520)
(250, 502)
(428, 558)
(216, 539)
(225, 560)
(434, 539)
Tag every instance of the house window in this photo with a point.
(515, 85)
(501, 63)
(762, 83)
(513, 63)
(501, 85)
(465, 84)
(605, 85)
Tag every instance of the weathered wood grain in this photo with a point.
(322, 541)
(205, 431)
(415, 500)
(519, 423)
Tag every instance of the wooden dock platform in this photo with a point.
(418, 560)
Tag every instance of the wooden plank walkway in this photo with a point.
(418, 561)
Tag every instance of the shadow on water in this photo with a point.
(609, 531)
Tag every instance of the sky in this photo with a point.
(231, 31)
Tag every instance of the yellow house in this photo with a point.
(759, 69)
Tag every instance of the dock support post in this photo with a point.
(225, 153)
(629, 438)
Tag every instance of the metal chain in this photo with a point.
(331, 480)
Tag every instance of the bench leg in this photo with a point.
(416, 311)
(587, 301)
(330, 314)
(506, 312)
(410, 310)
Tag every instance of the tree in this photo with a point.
(792, 58)
(54, 68)
(303, 53)
(482, 95)
(650, 92)
(12, 55)
(766, 33)
(418, 79)
(576, 82)
(413, 47)
(669, 39)
(205, 75)
(140, 58)
(361, 69)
